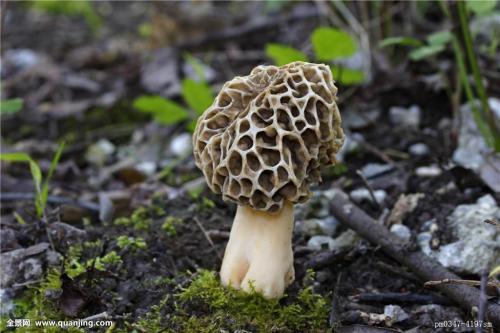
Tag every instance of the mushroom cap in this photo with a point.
(267, 134)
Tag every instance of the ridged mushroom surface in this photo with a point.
(267, 134)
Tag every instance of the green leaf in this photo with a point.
(330, 44)
(11, 105)
(347, 76)
(45, 186)
(164, 110)
(405, 41)
(197, 95)
(481, 7)
(426, 52)
(197, 66)
(439, 38)
(191, 126)
(283, 54)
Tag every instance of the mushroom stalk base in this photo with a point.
(259, 253)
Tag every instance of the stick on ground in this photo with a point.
(424, 267)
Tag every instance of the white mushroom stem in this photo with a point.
(259, 252)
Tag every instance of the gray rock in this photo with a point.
(424, 242)
(8, 240)
(405, 117)
(362, 194)
(472, 149)
(64, 232)
(401, 231)
(12, 262)
(31, 269)
(428, 171)
(346, 241)
(314, 227)
(6, 301)
(317, 243)
(396, 313)
(53, 258)
(494, 104)
(371, 170)
(181, 145)
(489, 172)
(419, 149)
(478, 244)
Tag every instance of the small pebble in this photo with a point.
(428, 171)
(99, 152)
(361, 194)
(407, 117)
(147, 168)
(181, 145)
(374, 169)
(424, 242)
(419, 149)
(396, 313)
(401, 231)
(317, 243)
(313, 227)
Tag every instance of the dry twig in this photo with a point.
(424, 267)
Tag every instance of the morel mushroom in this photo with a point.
(261, 144)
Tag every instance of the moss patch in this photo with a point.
(206, 306)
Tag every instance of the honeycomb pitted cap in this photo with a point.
(267, 134)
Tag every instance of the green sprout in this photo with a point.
(41, 183)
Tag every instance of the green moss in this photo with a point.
(170, 225)
(206, 306)
(141, 218)
(35, 304)
(74, 265)
(132, 243)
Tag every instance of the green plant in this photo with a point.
(139, 220)
(197, 95)
(41, 184)
(283, 54)
(81, 8)
(437, 43)
(10, 106)
(169, 226)
(308, 313)
(490, 132)
(133, 243)
(329, 45)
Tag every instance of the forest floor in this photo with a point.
(132, 234)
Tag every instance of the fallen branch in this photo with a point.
(398, 298)
(424, 267)
(53, 199)
(473, 283)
